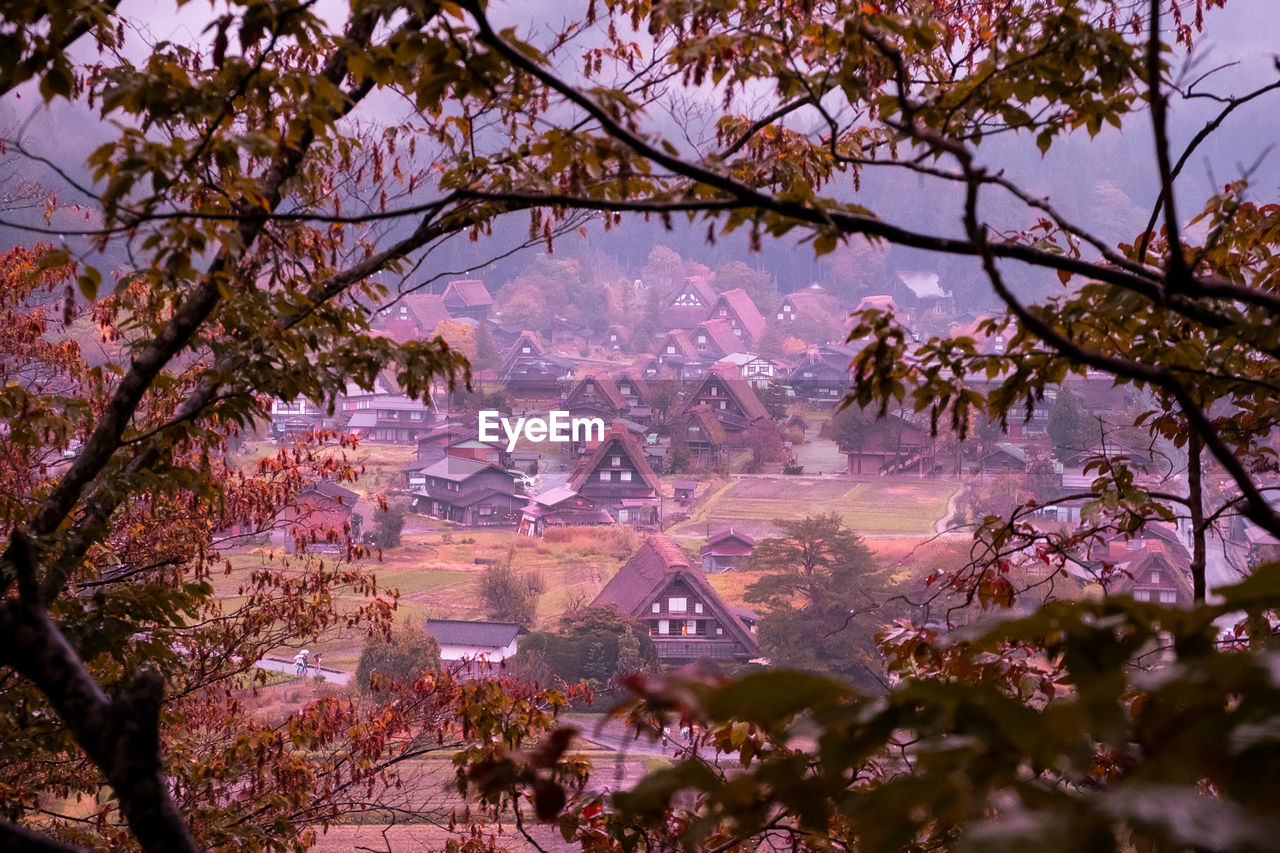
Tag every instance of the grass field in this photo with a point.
(891, 506)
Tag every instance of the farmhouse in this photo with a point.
(560, 507)
(617, 476)
(726, 551)
(413, 316)
(320, 518)
(745, 320)
(733, 401)
(687, 619)
(474, 646)
(470, 492)
(892, 444)
(467, 297)
(688, 302)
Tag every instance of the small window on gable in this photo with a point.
(657, 607)
(604, 476)
(664, 626)
(624, 476)
(677, 605)
(671, 349)
(697, 607)
(616, 461)
(1155, 577)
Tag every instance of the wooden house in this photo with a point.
(688, 302)
(470, 492)
(292, 418)
(321, 518)
(560, 507)
(744, 318)
(892, 444)
(733, 401)
(687, 619)
(702, 433)
(530, 369)
(726, 551)
(413, 316)
(714, 339)
(467, 297)
(617, 476)
(813, 301)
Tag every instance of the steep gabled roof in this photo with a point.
(699, 284)
(680, 339)
(814, 299)
(427, 309)
(724, 535)
(653, 567)
(739, 302)
(617, 441)
(711, 428)
(606, 390)
(738, 389)
(719, 335)
(470, 292)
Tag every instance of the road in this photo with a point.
(336, 676)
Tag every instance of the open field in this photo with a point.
(900, 506)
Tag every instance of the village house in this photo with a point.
(470, 492)
(617, 476)
(714, 339)
(560, 507)
(821, 374)
(1150, 569)
(1005, 459)
(530, 369)
(387, 418)
(892, 444)
(290, 419)
(474, 648)
(813, 301)
(321, 517)
(745, 320)
(686, 618)
(757, 370)
(733, 401)
(467, 297)
(413, 316)
(726, 551)
(688, 302)
(617, 338)
(702, 433)
(678, 354)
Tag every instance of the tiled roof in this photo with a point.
(454, 632)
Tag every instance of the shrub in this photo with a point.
(402, 657)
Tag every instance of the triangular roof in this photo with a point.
(651, 569)
(699, 284)
(680, 340)
(427, 308)
(724, 535)
(813, 299)
(712, 429)
(617, 441)
(739, 302)
(720, 337)
(738, 389)
(604, 387)
(470, 292)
